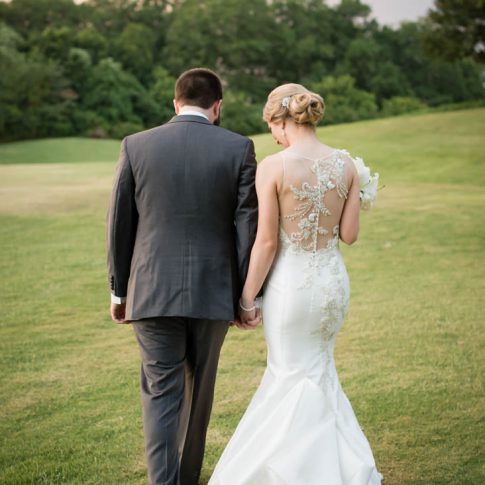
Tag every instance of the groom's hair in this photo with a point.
(198, 87)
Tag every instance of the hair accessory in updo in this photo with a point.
(293, 101)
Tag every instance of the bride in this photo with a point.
(299, 428)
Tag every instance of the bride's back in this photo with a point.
(312, 197)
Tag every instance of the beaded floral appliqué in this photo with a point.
(330, 175)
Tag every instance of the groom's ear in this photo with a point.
(176, 106)
(216, 107)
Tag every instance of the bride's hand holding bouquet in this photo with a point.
(367, 183)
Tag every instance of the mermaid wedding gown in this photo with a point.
(299, 428)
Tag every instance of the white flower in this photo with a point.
(285, 102)
(368, 193)
(362, 170)
(367, 184)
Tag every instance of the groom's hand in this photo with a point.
(118, 312)
(249, 320)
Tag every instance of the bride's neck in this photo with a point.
(302, 136)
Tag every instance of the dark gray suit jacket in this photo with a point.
(182, 220)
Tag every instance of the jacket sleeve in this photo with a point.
(246, 214)
(122, 221)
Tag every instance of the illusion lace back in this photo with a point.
(312, 198)
(299, 428)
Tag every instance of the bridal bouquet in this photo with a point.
(368, 184)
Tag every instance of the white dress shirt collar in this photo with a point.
(190, 112)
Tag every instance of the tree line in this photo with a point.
(108, 67)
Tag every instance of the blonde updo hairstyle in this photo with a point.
(296, 102)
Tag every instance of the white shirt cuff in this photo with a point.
(118, 299)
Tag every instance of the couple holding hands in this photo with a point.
(195, 234)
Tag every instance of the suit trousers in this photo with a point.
(178, 372)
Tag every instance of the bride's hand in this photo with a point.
(247, 309)
(250, 320)
(256, 320)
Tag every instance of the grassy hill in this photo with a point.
(59, 150)
(409, 356)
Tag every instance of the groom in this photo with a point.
(181, 224)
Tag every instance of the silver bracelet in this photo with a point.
(246, 309)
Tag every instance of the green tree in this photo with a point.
(10, 59)
(134, 48)
(433, 81)
(241, 115)
(109, 17)
(230, 36)
(55, 42)
(354, 11)
(389, 81)
(162, 92)
(78, 68)
(118, 97)
(303, 47)
(10, 39)
(349, 20)
(362, 61)
(455, 29)
(191, 40)
(244, 39)
(344, 102)
(156, 15)
(373, 70)
(27, 16)
(448, 83)
(91, 40)
(400, 104)
(33, 100)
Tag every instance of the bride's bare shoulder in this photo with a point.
(271, 163)
(272, 159)
(270, 169)
(349, 161)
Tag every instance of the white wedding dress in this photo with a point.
(299, 428)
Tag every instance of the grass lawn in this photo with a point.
(410, 356)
